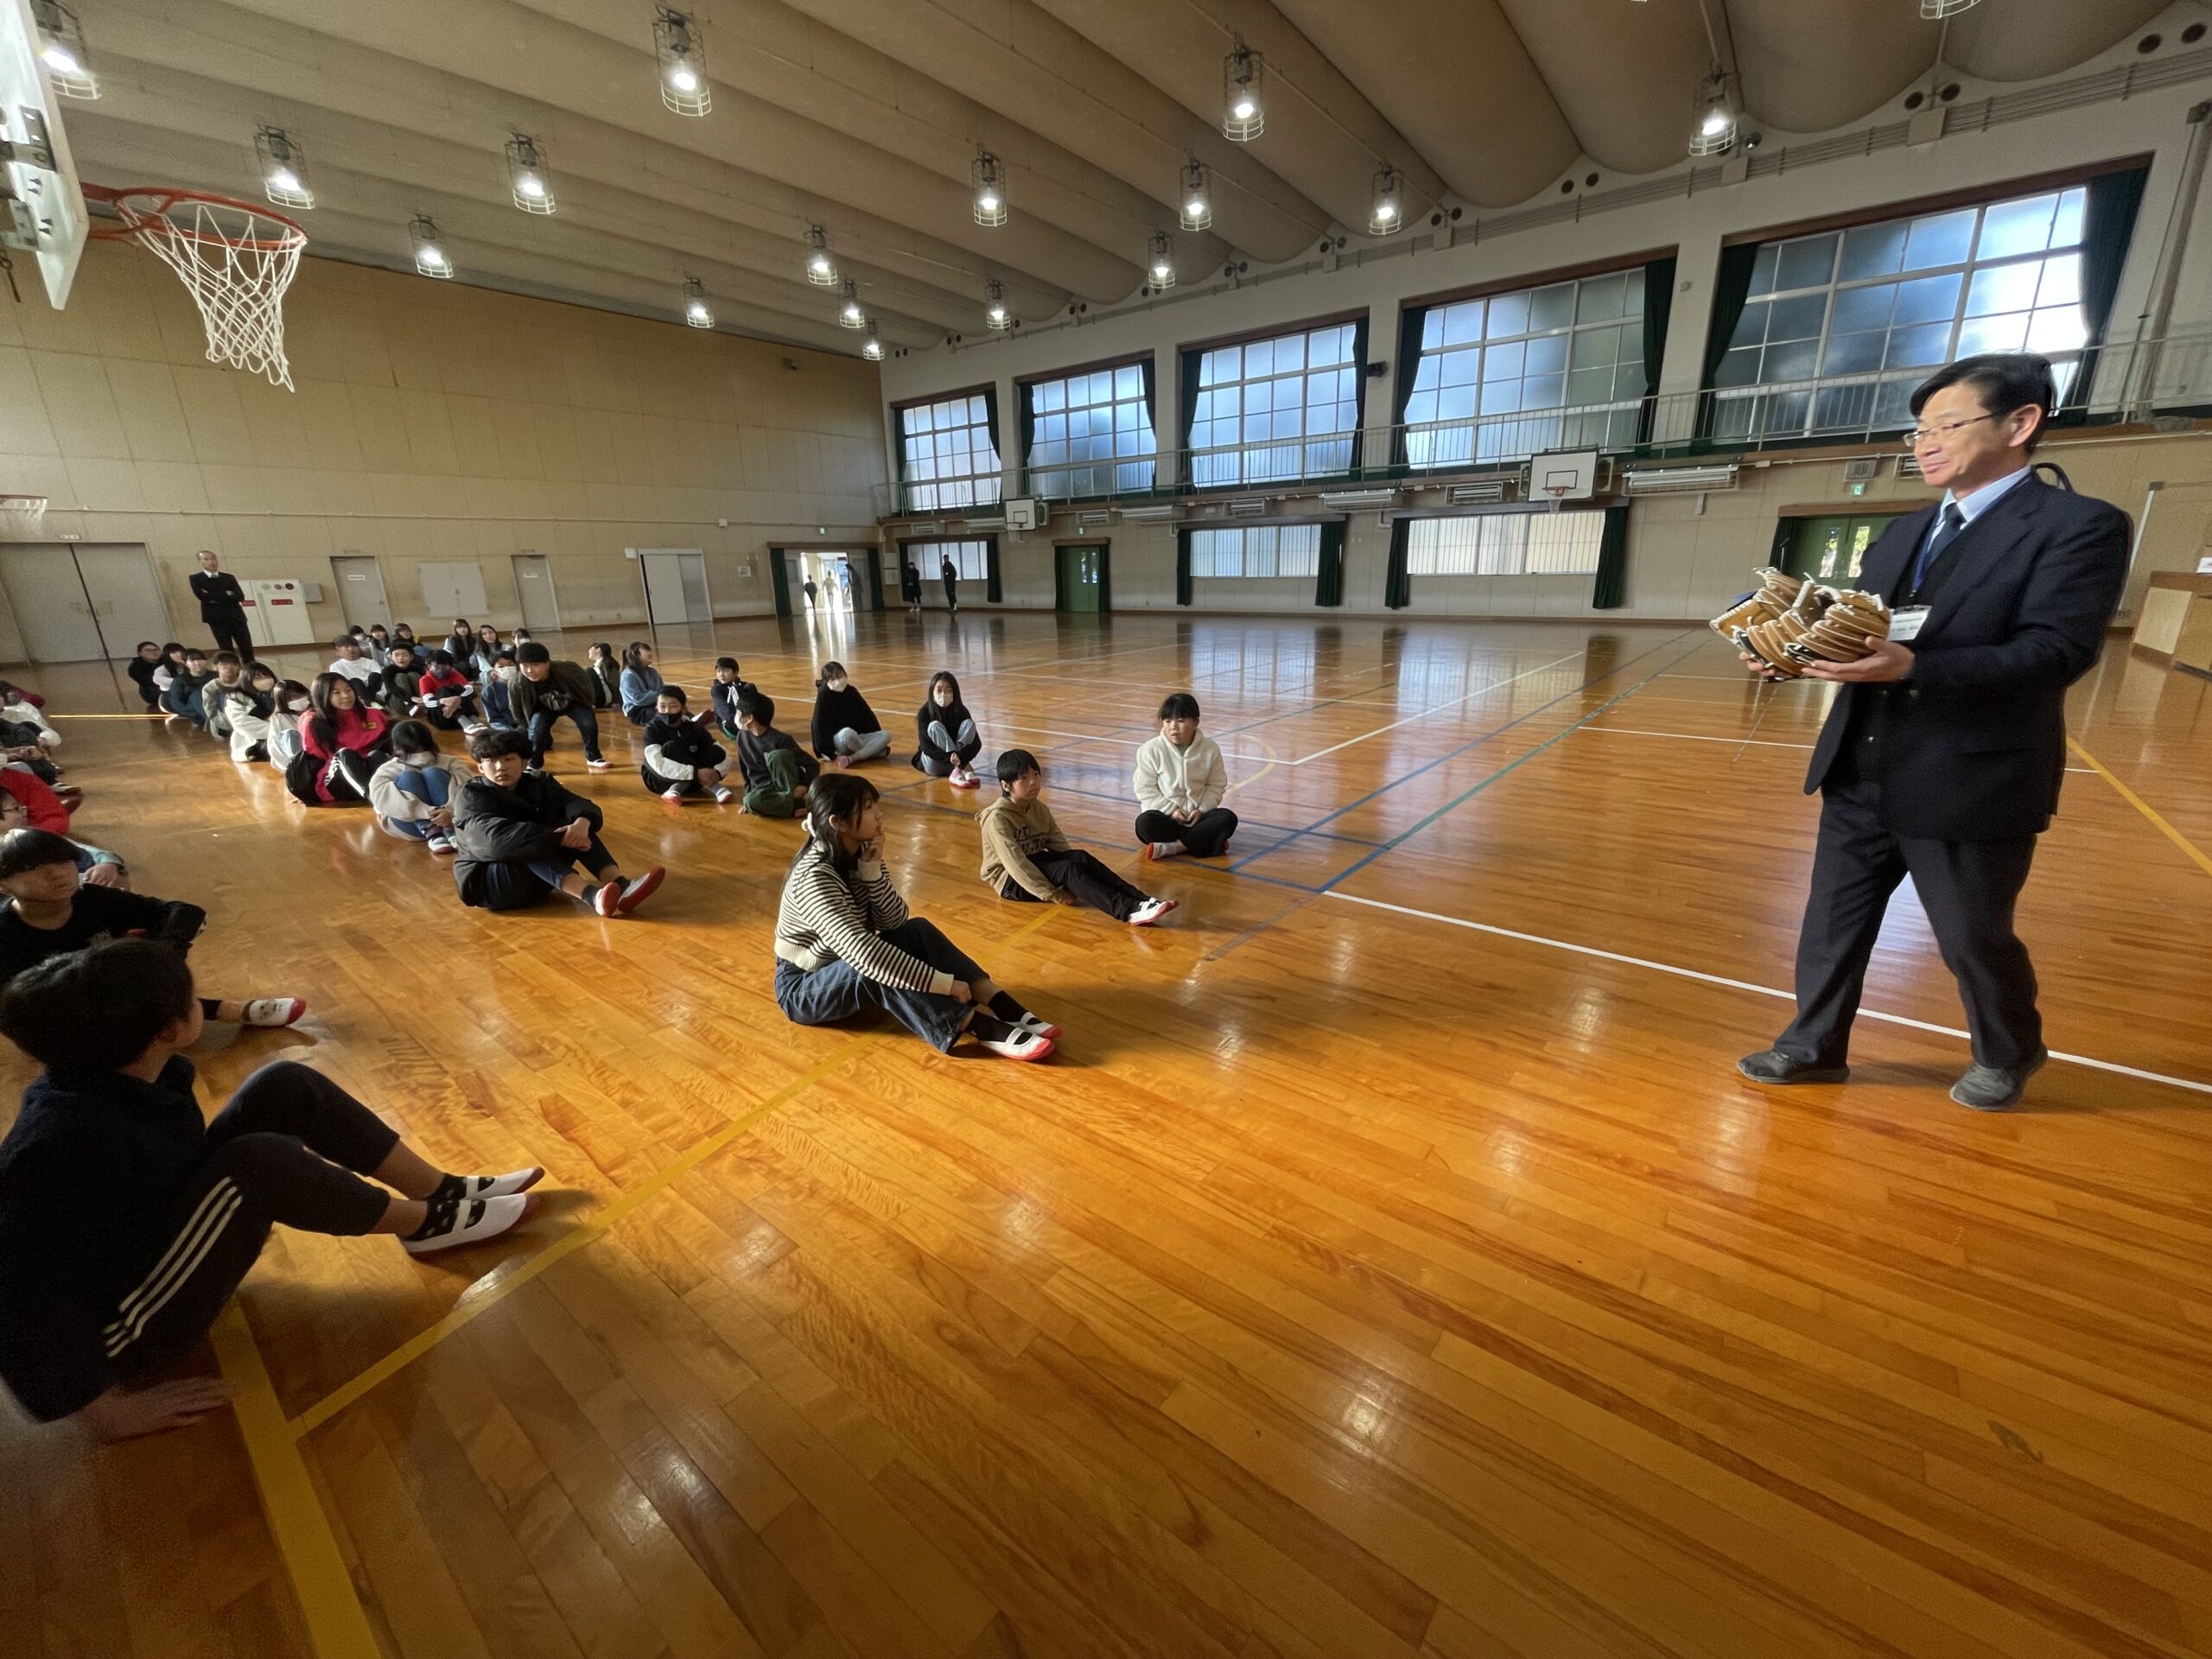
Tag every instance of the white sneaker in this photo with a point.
(274, 1011)
(673, 793)
(501, 1186)
(723, 796)
(470, 727)
(469, 1220)
(1038, 1025)
(439, 844)
(599, 766)
(1151, 910)
(1010, 1042)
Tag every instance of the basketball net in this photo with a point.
(236, 260)
(22, 514)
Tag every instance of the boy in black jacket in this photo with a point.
(680, 758)
(126, 1223)
(545, 691)
(47, 913)
(776, 770)
(845, 729)
(141, 669)
(520, 836)
(183, 696)
(723, 694)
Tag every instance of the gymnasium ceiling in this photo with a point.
(864, 115)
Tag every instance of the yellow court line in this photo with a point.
(337, 1626)
(2197, 853)
(1274, 760)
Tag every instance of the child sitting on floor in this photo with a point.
(448, 698)
(641, 682)
(845, 729)
(521, 836)
(400, 696)
(342, 742)
(681, 758)
(142, 670)
(947, 741)
(126, 1221)
(48, 913)
(294, 705)
(1027, 858)
(605, 672)
(95, 865)
(777, 771)
(183, 697)
(246, 708)
(412, 793)
(723, 694)
(1180, 779)
(499, 691)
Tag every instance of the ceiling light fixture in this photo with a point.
(683, 61)
(527, 179)
(283, 168)
(1715, 132)
(821, 269)
(1198, 195)
(1160, 261)
(872, 347)
(430, 258)
(1242, 117)
(1387, 215)
(696, 312)
(995, 307)
(850, 315)
(62, 50)
(989, 174)
(1934, 10)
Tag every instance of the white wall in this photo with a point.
(1682, 561)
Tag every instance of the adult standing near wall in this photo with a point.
(222, 605)
(1942, 756)
(951, 578)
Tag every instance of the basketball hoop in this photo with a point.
(1558, 494)
(21, 514)
(236, 259)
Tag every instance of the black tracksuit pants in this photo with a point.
(1967, 888)
(1084, 875)
(1207, 838)
(283, 1150)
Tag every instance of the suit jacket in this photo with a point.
(1971, 743)
(218, 595)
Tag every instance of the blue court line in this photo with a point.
(1399, 839)
(1315, 826)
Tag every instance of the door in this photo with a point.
(1830, 549)
(127, 600)
(691, 571)
(541, 610)
(451, 589)
(1081, 579)
(360, 589)
(51, 608)
(664, 600)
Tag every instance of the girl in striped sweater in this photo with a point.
(845, 944)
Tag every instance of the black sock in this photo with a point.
(988, 1028)
(1007, 1009)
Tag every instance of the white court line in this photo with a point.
(1434, 708)
(1746, 985)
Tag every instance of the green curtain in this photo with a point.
(1182, 567)
(991, 419)
(1359, 395)
(991, 570)
(781, 580)
(1025, 428)
(1732, 287)
(2107, 227)
(1329, 583)
(1397, 585)
(1658, 310)
(1610, 591)
(1148, 364)
(1410, 321)
(1188, 386)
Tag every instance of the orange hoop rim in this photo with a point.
(143, 204)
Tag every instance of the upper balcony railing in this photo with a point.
(2123, 381)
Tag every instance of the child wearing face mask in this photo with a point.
(412, 793)
(947, 741)
(247, 707)
(499, 691)
(294, 705)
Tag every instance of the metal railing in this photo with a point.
(2125, 381)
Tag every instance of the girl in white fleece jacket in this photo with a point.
(1181, 781)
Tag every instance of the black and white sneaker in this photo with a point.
(493, 1186)
(455, 1221)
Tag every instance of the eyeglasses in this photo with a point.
(1920, 434)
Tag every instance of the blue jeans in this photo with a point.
(541, 731)
(517, 884)
(433, 788)
(180, 700)
(835, 991)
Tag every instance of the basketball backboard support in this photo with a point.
(41, 202)
(1567, 475)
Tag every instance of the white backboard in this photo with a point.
(1567, 475)
(55, 199)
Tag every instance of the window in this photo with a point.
(948, 457)
(1271, 410)
(1257, 550)
(970, 560)
(1090, 433)
(1506, 544)
(1841, 325)
(1511, 375)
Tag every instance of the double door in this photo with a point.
(1830, 550)
(79, 602)
(1079, 578)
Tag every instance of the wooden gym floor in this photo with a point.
(1391, 1264)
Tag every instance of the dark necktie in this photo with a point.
(1946, 532)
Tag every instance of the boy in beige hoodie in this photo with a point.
(1026, 858)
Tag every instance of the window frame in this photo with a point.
(1025, 392)
(1190, 357)
(909, 551)
(1310, 558)
(907, 485)
(1595, 516)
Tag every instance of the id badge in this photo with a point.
(1906, 622)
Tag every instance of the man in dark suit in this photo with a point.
(222, 605)
(1942, 756)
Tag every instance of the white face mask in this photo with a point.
(421, 759)
(298, 705)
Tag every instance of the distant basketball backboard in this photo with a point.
(1569, 475)
(41, 204)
